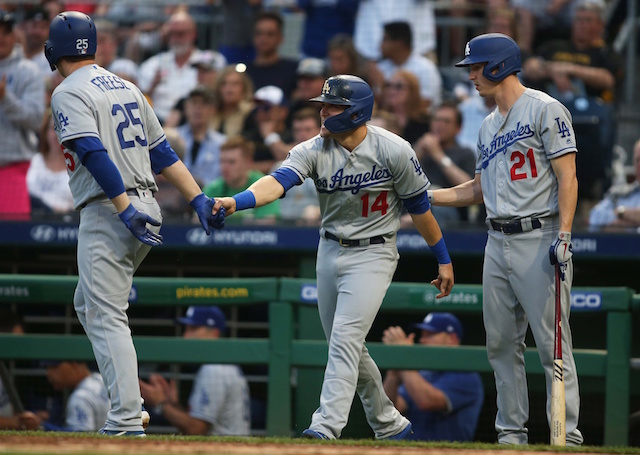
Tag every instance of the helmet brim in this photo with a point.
(468, 61)
(332, 100)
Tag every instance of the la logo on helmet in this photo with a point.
(467, 50)
(325, 88)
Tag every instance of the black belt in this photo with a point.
(103, 197)
(348, 243)
(515, 226)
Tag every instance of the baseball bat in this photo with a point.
(14, 398)
(558, 410)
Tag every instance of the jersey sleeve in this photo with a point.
(556, 130)
(300, 159)
(80, 415)
(73, 116)
(155, 133)
(461, 389)
(408, 177)
(208, 394)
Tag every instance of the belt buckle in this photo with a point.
(343, 243)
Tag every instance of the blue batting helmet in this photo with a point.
(71, 34)
(351, 91)
(500, 53)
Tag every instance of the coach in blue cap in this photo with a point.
(219, 400)
(442, 405)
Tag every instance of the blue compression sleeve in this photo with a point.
(417, 204)
(440, 251)
(96, 159)
(245, 200)
(287, 178)
(162, 156)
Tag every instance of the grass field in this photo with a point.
(41, 443)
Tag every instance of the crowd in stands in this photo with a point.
(209, 99)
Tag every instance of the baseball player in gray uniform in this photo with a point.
(526, 176)
(112, 141)
(363, 175)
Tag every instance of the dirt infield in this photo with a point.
(19, 444)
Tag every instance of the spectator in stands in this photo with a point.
(398, 53)
(584, 65)
(442, 405)
(620, 208)
(35, 28)
(236, 40)
(202, 142)
(322, 21)
(444, 160)
(401, 97)
(373, 14)
(267, 125)
(269, 67)
(301, 206)
(168, 76)
(311, 72)
(170, 200)
(107, 52)
(208, 64)
(22, 100)
(474, 109)
(344, 58)
(47, 177)
(233, 95)
(236, 163)
(88, 404)
(11, 322)
(219, 400)
(542, 20)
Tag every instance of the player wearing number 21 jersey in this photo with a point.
(363, 175)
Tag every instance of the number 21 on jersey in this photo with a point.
(520, 170)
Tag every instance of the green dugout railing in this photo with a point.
(297, 342)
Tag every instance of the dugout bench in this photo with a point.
(295, 340)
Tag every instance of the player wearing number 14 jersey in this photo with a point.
(363, 175)
(112, 142)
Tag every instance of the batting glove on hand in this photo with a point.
(136, 222)
(561, 251)
(203, 206)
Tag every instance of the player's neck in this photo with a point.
(351, 139)
(510, 90)
(67, 67)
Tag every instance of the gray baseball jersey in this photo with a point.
(515, 153)
(360, 196)
(220, 396)
(360, 192)
(88, 405)
(514, 161)
(6, 410)
(92, 101)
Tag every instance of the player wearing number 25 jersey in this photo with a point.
(363, 175)
(526, 176)
(112, 142)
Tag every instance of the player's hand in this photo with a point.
(136, 222)
(226, 203)
(27, 420)
(203, 206)
(395, 335)
(561, 251)
(153, 391)
(444, 282)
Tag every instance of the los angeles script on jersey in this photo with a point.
(353, 182)
(500, 143)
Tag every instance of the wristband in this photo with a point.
(271, 139)
(245, 200)
(446, 162)
(440, 251)
(430, 196)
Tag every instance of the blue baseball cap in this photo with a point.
(204, 316)
(441, 322)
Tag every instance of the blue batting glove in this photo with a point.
(136, 222)
(203, 206)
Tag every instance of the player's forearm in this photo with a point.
(179, 176)
(266, 190)
(467, 193)
(427, 226)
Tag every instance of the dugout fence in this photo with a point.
(293, 349)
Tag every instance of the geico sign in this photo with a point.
(586, 300)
